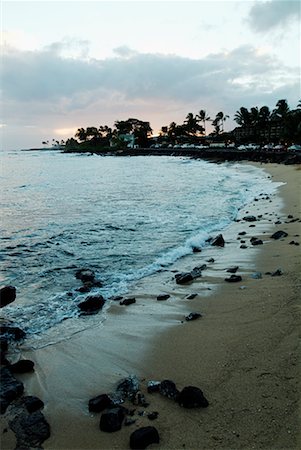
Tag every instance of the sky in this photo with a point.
(72, 64)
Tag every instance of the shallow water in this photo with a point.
(124, 217)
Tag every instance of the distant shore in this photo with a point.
(243, 352)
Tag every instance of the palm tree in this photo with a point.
(81, 134)
(243, 117)
(203, 117)
(218, 122)
(281, 110)
(191, 124)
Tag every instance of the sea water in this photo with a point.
(124, 217)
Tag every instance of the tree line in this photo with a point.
(254, 121)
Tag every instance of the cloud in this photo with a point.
(267, 15)
(55, 92)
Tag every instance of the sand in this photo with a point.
(243, 352)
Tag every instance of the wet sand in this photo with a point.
(243, 352)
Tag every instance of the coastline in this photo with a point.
(241, 353)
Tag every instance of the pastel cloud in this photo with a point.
(267, 15)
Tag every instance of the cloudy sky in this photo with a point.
(71, 64)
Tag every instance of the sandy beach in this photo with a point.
(243, 352)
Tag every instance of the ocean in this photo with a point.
(124, 217)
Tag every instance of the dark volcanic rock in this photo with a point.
(242, 233)
(22, 366)
(193, 316)
(256, 241)
(85, 275)
(10, 388)
(192, 397)
(191, 296)
(233, 278)
(218, 241)
(32, 403)
(163, 297)
(250, 218)
(128, 301)
(143, 437)
(100, 403)
(91, 304)
(279, 234)
(233, 269)
(153, 386)
(183, 278)
(153, 415)
(277, 273)
(128, 387)
(111, 420)
(31, 430)
(196, 249)
(169, 389)
(13, 333)
(7, 295)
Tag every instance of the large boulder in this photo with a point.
(12, 333)
(100, 403)
(7, 295)
(143, 437)
(22, 366)
(85, 275)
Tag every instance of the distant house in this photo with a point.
(271, 132)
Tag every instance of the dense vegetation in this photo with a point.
(255, 125)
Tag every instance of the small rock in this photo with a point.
(210, 260)
(85, 275)
(153, 386)
(196, 249)
(143, 437)
(233, 279)
(128, 387)
(277, 273)
(153, 415)
(91, 304)
(279, 234)
(100, 403)
(257, 241)
(243, 246)
(32, 403)
(129, 422)
(111, 420)
(7, 295)
(184, 277)
(127, 301)
(193, 316)
(192, 397)
(191, 296)
(163, 297)
(169, 389)
(250, 218)
(218, 241)
(242, 233)
(233, 269)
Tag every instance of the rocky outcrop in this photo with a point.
(7, 295)
(91, 305)
(31, 430)
(10, 388)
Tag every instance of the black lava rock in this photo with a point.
(85, 275)
(153, 415)
(277, 273)
(7, 295)
(31, 430)
(10, 388)
(233, 278)
(14, 333)
(193, 316)
(250, 218)
(256, 241)
(100, 403)
(91, 304)
(169, 389)
(233, 269)
(112, 419)
(279, 234)
(218, 241)
(32, 403)
(22, 366)
(191, 296)
(196, 249)
(192, 397)
(183, 278)
(163, 297)
(153, 386)
(128, 301)
(143, 437)
(128, 387)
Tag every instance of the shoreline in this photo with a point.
(215, 349)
